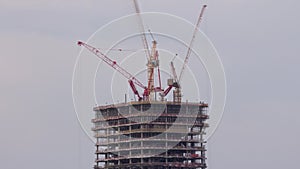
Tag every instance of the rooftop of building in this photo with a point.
(132, 103)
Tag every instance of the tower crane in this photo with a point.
(175, 83)
(152, 58)
(177, 93)
(131, 79)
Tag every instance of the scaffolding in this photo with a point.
(156, 135)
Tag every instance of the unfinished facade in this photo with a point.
(160, 135)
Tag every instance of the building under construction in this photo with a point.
(151, 133)
(140, 135)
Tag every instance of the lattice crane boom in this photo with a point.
(131, 79)
(191, 43)
(142, 29)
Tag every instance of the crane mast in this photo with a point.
(153, 63)
(174, 72)
(177, 92)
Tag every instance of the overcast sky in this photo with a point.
(258, 42)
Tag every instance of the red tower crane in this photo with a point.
(131, 79)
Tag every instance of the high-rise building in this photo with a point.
(156, 135)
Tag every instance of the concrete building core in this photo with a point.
(156, 135)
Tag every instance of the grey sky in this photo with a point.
(257, 42)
